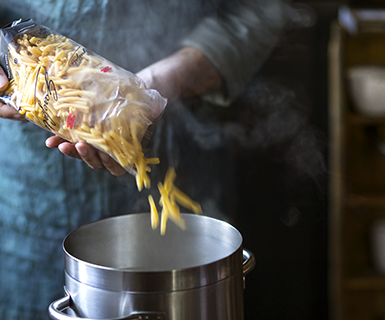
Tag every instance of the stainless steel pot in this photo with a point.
(119, 268)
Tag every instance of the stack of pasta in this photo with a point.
(80, 96)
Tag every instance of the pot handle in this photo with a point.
(248, 261)
(57, 307)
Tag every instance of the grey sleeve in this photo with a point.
(238, 40)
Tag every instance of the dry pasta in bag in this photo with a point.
(69, 90)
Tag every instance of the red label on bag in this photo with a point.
(106, 69)
(71, 120)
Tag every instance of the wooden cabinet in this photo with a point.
(357, 183)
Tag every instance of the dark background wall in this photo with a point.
(282, 211)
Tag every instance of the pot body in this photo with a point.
(121, 268)
(222, 300)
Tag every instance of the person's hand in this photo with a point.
(6, 111)
(94, 158)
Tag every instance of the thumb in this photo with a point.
(3, 80)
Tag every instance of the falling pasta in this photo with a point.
(170, 199)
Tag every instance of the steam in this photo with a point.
(292, 217)
(301, 15)
(206, 143)
(273, 119)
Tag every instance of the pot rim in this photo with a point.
(110, 278)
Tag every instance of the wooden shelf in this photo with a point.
(356, 184)
(368, 281)
(357, 119)
(366, 199)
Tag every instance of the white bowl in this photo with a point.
(378, 245)
(367, 89)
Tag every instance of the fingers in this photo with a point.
(69, 150)
(6, 111)
(11, 113)
(111, 165)
(94, 158)
(63, 145)
(3, 80)
(97, 159)
(54, 141)
(89, 155)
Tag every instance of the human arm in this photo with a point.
(238, 40)
(186, 73)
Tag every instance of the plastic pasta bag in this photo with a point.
(72, 92)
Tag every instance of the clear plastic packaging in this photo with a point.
(72, 92)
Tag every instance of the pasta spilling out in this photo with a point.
(72, 92)
(170, 199)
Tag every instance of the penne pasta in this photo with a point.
(170, 199)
